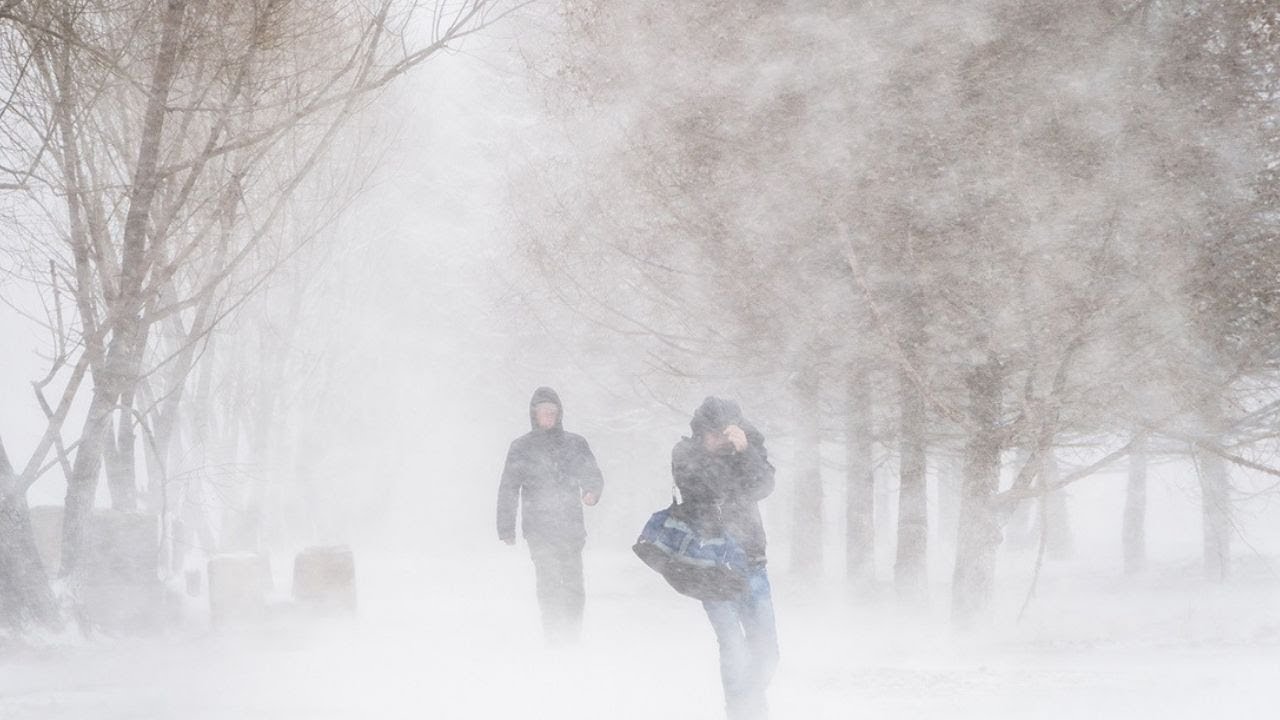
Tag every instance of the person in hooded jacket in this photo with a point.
(723, 472)
(550, 474)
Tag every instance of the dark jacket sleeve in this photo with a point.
(588, 472)
(757, 471)
(692, 485)
(509, 495)
(701, 494)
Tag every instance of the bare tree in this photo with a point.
(1020, 236)
(165, 149)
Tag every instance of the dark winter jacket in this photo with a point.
(547, 472)
(722, 491)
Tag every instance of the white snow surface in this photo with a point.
(450, 639)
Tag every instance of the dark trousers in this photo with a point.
(561, 596)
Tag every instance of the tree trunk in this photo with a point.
(910, 570)
(1134, 534)
(885, 502)
(25, 594)
(202, 430)
(82, 486)
(1215, 499)
(806, 544)
(117, 377)
(979, 532)
(860, 530)
(1054, 513)
(1021, 529)
(245, 532)
(119, 371)
(1215, 495)
(950, 479)
(111, 461)
(121, 463)
(127, 443)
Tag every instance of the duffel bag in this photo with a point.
(706, 568)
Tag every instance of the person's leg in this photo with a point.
(761, 634)
(561, 595)
(569, 596)
(574, 596)
(735, 667)
(546, 572)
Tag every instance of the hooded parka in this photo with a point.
(546, 474)
(721, 491)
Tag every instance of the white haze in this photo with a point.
(428, 327)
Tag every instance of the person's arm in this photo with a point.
(509, 497)
(590, 481)
(684, 472)
(757, 471)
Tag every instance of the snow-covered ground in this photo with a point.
(448, 639)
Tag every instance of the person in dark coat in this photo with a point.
(723, 472)
(550, 474)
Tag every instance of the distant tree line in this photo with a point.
(968, 234)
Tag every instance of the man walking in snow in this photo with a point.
(550, 474)
(723, 472)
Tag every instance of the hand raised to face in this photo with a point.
(737, 436)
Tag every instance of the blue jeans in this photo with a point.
(748, 640)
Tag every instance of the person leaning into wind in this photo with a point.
(722, 472)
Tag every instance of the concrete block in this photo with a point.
(325, 577)
(237, 592)
(121, 592)
(194, 582)
(128, 608)
(123, 548)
